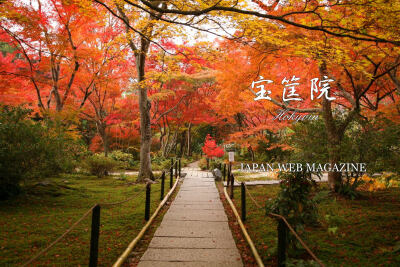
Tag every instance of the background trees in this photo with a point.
(125, 75)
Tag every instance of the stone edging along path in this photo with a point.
(195, 230)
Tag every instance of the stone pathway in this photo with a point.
(194, 231)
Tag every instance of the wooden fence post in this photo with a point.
(94, 237)
(162, 185)
(171, 176)
(147, 205)
(180, 168)
(282, 238)
(243, 206)
(224, 172)
(232, 182)
(176, 169)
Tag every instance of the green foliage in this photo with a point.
(100, 165)
(333, 222)
(268, 151)
(186, 161)
(161, 163)
(214, 164)
(295, 201)
(30, 149)
(301, 263)
(362, 237)
(199, 133)
(309, 141)
(125, 159)
(203, 163)
(374, 142)
(349, 189)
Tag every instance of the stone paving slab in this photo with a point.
(197, 206)
(202, 183)
(194, 201)
(198, 189)
(195, 224)
(189, 264)
(197, 215)
(194, 232)
(196, 184)
(173, 231)
(194, 195)
(192, 254)
(191, 242)
(194, 207)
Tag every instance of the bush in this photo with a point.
(100, 165)
(125, 159)
(119, 155)
(294, 200)
(203, 164)
(160, 163)
(214, 164)
(164, 165)
(30, 149)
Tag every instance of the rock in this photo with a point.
(217, 174)
(44, 183)
(147, 180)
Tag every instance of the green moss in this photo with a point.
(366, 234)
(32, 221)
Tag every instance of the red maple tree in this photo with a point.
(211, 149)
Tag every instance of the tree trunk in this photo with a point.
(250, 149)
(334, 178)
(334, 141)
(145, 122)
(144, 104)
(101, 128)
(182, 145)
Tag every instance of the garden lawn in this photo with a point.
(361, 232)
(33, 220)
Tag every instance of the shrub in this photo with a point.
(164, 165)
(214, 164)
(30, 149)
(100, 165)
(203, 163)
(119, 155)
(125, 159)
(294, 200)
(160, 163)
(386, 180)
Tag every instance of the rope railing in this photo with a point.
(76, 223)
(121, 202)
(120, 261)
(59, 238)
(297, 237)
(252, 198)
(287, 225)
(97, 208)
